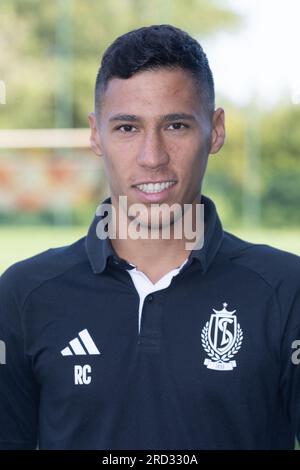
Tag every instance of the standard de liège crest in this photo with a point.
(221, 338)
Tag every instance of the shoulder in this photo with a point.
(279, 270)
(272, 264)
(24, 276)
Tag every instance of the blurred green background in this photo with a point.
(51, 183)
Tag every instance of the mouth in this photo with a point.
(155, 191)
(152, 188)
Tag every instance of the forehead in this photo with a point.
(152, 89)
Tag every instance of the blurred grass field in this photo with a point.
(18, 242)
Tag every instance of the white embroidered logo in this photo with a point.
(83, 347)
(221, 338)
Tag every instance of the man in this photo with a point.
(145, 343)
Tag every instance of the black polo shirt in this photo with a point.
(213, 367)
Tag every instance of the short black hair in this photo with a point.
(154, 47)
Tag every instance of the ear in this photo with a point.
(94, 137)
(218, 130)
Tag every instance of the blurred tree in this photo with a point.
(280, 166)
(50, 51)
(279, 169)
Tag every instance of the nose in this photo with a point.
(153, 152)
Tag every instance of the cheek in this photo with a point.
(116, 170)
(192, 164)
(111, 170)
(200, 157)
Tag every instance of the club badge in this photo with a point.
(221, 338)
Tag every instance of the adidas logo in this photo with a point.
(81, 348)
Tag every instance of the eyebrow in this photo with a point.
(178, 116)
(125, 117)
(165, 117)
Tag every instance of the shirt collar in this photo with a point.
(213, 235)
(100, 251)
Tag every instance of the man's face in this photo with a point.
(155, 137)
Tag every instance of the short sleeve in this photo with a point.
(18, 388)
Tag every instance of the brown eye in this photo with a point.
(125, 128)
(178, 126)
